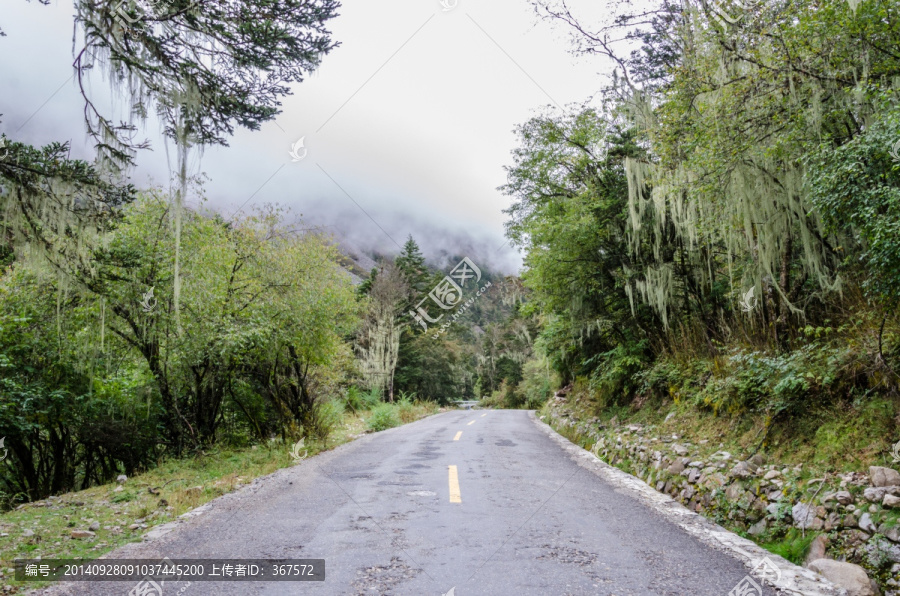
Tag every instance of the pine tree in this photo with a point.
(412, 264)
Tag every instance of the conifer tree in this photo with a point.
(412, 264)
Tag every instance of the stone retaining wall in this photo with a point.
(856, 513)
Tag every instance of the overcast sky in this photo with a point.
(411, 118)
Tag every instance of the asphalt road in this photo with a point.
(380, 511)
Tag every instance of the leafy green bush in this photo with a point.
(329, 415)
(357, 400)
(537, 383)
(512, 397)
(494, 400)
(383, 417)
(406, 408)
(616, 372)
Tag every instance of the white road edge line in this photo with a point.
(794, 579)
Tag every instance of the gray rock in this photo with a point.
(122, 479)
(743, 470)
(79, 534)
(716, 480)
(891, 501)
(758, 528)
(881, 476)
(874, 495)
(851, 577)
(892, 534)
(694, 476)
(94, 526)
(734, 491)
(758, 459)
(843, 497)
(866, 524)
(670, 416)
(677, 467)
(817, 549)
(27, 533)
(833, 521)
(772, 474)
(804, 515)
(679, 449)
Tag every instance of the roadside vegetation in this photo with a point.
(720, 235)
(107, 516)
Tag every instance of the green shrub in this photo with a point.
(357, 400)
(405, 408)
(383, 417)
(329, 416)
(512, 397)
(494, 400)
(537, 383)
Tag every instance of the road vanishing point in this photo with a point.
(464, 503)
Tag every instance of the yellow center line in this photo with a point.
(471, 423)
(455, 496)
(483, 415)
(458, 435)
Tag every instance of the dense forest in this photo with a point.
(723, 230)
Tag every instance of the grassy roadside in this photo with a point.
(119, 514)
